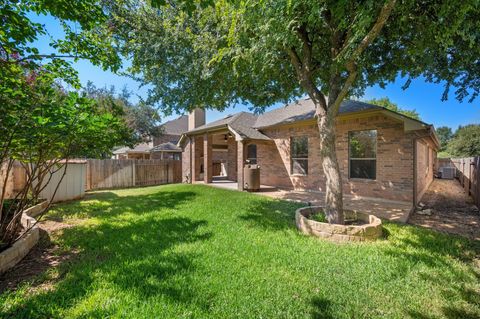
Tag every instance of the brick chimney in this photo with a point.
(196, 118)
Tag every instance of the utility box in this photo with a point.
(251, 175)
(448, 172)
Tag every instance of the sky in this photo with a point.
(424, 97)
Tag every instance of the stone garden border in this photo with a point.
(11, 256)
(339, 233)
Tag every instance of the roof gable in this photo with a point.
(176, 127)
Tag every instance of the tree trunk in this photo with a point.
(328, 154)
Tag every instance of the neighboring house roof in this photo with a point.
(166, 147)
(305, 110)
(177, 126)
(140, 148)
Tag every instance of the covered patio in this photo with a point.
(217, 152)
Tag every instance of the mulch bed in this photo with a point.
(452, 210)
(43, 256)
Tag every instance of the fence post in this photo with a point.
(133, 172)
(168, 178)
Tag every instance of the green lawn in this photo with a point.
(183, 251)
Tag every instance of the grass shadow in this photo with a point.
(322, 308)
(105, 205)
(271, 214)
(138, 255)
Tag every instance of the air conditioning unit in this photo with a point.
(448, 172)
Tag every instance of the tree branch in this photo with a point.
(351, 64)
(306, 80)
(377, 27)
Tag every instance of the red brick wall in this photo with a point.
(394, 159)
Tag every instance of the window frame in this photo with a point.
(292, 158)
(360, 159)
(255, 159)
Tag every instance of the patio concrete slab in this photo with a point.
(387, 209)
(397, 211)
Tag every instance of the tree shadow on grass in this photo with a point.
(139, 257)
(322, 308)
(106, 205)
(440, 251)
(271, 214)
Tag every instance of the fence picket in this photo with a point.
(110, 173)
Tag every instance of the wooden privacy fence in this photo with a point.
(468, 174)
(113, 173)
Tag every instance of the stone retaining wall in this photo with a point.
(369, 231)
(11, 256)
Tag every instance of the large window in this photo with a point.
(299, 155)
(363, 154)
(252, 154)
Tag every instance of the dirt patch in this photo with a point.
(448, 209)
(43, 256)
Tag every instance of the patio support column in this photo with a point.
(207, 158)
(240, 164)
(193, 160)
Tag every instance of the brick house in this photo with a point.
(165, 146)
(382, 154)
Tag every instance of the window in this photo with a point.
(363, 154)
(252, 154)
(299, 155)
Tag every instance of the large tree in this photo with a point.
(142, 118)
(263, 52)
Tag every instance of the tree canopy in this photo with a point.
(465, 142)
(239, 52)
(142, 118)
(386, 103)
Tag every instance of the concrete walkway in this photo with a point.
(387, 209)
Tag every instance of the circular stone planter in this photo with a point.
(370, 227)
(11, 256)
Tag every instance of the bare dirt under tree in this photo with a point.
(452, 210)
(45, 255)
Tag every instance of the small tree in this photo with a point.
(43, 126)
(265, 52)
(389, 105)
(465, 141)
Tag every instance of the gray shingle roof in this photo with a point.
(140, 148)
(166, 147)
(242, 123)
(305, 110)
(177, 126)
(247, 124)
